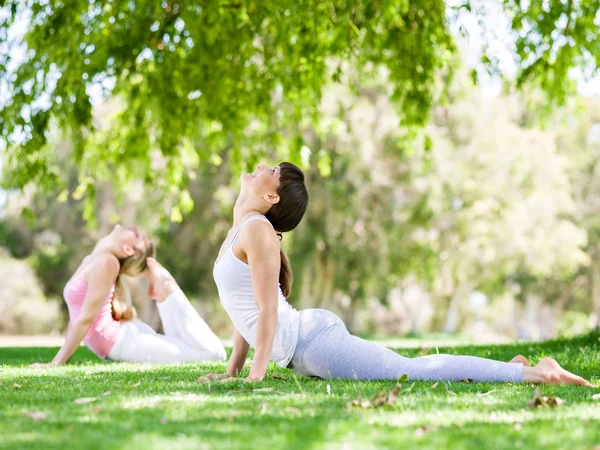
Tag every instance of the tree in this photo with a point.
(241, 75)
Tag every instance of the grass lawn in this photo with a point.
(163, 407)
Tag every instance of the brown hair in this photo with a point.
(122, 309)
(287, 214)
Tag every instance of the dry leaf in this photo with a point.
(423, 351)
(483, 394)
(35, 415)
(466, 380)
(82, 401)
(450, 392)
(434, 385)
(137, 384)
(107, 393)
(380, 399)
(394, 394)
(256, 390)
(17, 386)
(541, 401)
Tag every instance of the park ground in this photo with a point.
(91, 404)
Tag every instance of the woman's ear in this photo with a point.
(271, 198)
(128, 250)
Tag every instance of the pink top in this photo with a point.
(104, 331)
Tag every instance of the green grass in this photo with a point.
(162, 407)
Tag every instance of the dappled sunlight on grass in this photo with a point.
(94, 404)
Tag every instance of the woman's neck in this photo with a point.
(104, 247)
(246, 207)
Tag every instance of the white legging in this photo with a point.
(187, 337)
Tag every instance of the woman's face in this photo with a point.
(128, 239)
(263, 181)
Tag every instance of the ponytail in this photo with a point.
(286, 214)
(122, 306)
(121, 301)
(286, 276)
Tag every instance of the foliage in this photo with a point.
(194, 79)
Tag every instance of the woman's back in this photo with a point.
(104, 330)
(234, 283)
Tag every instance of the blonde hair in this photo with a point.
(122, 308)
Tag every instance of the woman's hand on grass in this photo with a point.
(214, 376)
(41, 365)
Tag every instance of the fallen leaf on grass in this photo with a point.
(84, 400)
(272, 390)
(136, 384)
(449, 392)
(17, 386)
(35, 415)
(434, 385)
(378, 400)
(483, 394)
(423, 351)
(107, 393)
(596, 397)
(541, 401)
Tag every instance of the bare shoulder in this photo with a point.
(104, 266)
(257, 238)
(260, 231)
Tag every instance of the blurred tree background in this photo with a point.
(453, 187)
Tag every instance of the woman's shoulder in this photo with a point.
(104, 263)
(259, 227)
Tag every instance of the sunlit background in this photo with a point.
(451, 154)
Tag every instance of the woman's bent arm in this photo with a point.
(264, 259)
(101, 279)
(238, 354)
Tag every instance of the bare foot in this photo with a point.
(553, 373)
(521, 359)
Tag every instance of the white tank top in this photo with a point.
(234, 284)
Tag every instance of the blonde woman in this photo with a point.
(105, 324)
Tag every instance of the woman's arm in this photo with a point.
(100, 281)
(264, 259)
(238, 354)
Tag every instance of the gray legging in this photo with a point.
(326, 349)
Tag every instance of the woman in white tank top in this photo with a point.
(254, 278)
